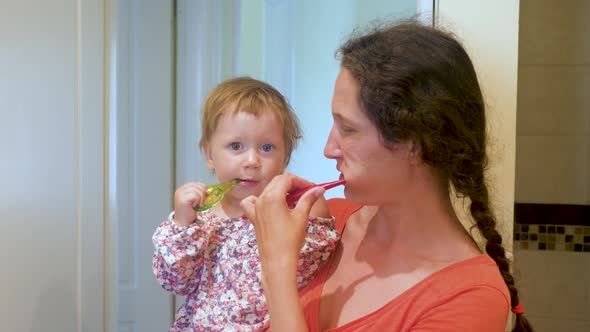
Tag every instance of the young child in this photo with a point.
(248, 132)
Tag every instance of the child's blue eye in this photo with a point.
(236, 146)
(266, 147)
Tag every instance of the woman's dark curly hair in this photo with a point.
(418, 84)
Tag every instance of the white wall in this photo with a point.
(489, 31)
(52, 143)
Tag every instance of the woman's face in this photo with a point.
(374, 174)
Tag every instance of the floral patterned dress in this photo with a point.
(215, 263)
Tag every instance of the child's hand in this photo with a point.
(186, 198)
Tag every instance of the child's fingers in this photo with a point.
(248, 205)
(186, 198)
(193, 194)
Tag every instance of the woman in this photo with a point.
(409, 125)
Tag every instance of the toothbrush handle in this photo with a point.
(294, 196)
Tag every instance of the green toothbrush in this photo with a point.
(215, 193)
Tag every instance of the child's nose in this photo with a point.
(252, 159)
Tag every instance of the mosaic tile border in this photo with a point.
(552, 214)
(552, 237)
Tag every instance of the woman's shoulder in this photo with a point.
(472, 289)
(478, 268)
(473, 273)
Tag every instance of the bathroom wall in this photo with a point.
(552, 220)
(489, 32)
(553, 118)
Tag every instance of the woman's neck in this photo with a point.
(423, 223)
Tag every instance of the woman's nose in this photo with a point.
(332, 150)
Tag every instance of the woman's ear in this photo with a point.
(415, 152)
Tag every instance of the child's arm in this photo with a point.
(320, 242)
(178, 256)
(180, 242)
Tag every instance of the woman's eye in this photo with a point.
(347, 130)
(236, 146)
(343, 128)
(266, 147)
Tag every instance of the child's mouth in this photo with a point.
(247, 182)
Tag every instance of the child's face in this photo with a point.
(249, 148)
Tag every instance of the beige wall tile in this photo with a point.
(553, 100)
(542, 324)
(554, 32)
(552, 169)
(553, 287)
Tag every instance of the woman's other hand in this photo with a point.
(280, 231)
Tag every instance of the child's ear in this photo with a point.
(285, 164)
(209, 157)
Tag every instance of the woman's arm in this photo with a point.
(282, 296)
(280, 233)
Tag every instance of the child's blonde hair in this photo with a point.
(245, 94)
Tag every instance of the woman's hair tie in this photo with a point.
(518, 309)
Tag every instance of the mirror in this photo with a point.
(291, 45)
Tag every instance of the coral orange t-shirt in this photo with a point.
(466, 296)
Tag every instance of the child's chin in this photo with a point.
(246, 191)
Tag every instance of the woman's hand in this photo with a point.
(280, 233)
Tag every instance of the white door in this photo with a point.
(141, 159)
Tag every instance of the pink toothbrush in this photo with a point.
(294, 196)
